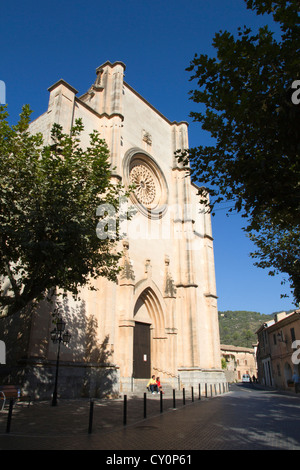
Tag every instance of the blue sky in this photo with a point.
(42, 42)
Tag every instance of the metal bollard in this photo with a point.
(125, 410)
(91, 416)
(161, 402)
(174, 400)
(192, 393)
(199, 392)
(9, 416)
(183, 395)
(145, 405)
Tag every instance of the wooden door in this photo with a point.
(141, 351)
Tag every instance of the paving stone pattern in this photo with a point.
(242, 419)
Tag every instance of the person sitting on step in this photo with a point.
(152, 385)
(159, 386)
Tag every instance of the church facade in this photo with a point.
(161, 316)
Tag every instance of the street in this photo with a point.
(245, 418)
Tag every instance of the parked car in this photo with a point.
(246, 378)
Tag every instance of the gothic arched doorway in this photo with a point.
(149, 320)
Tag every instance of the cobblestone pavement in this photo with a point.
(242, 419)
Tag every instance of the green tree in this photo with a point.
(248, 337)
(247, 92)
(278, 250)
(48, 200)
(223, 363)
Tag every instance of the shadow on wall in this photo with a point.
(97, 355)
(85, 369)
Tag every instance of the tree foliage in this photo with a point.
(238, 328)
(278, 250)
(246, 91)
(48, 200)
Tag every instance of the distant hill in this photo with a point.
(238, 327)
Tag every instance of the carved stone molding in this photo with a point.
(127, 272)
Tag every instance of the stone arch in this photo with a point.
(149, 298)
(148, 292)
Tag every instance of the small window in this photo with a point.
(278, 370)
(293, 335)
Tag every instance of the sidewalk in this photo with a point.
(41, 425)
(230, 421)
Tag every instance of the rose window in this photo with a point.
(143, 181)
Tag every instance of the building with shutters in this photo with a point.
(278, 354)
